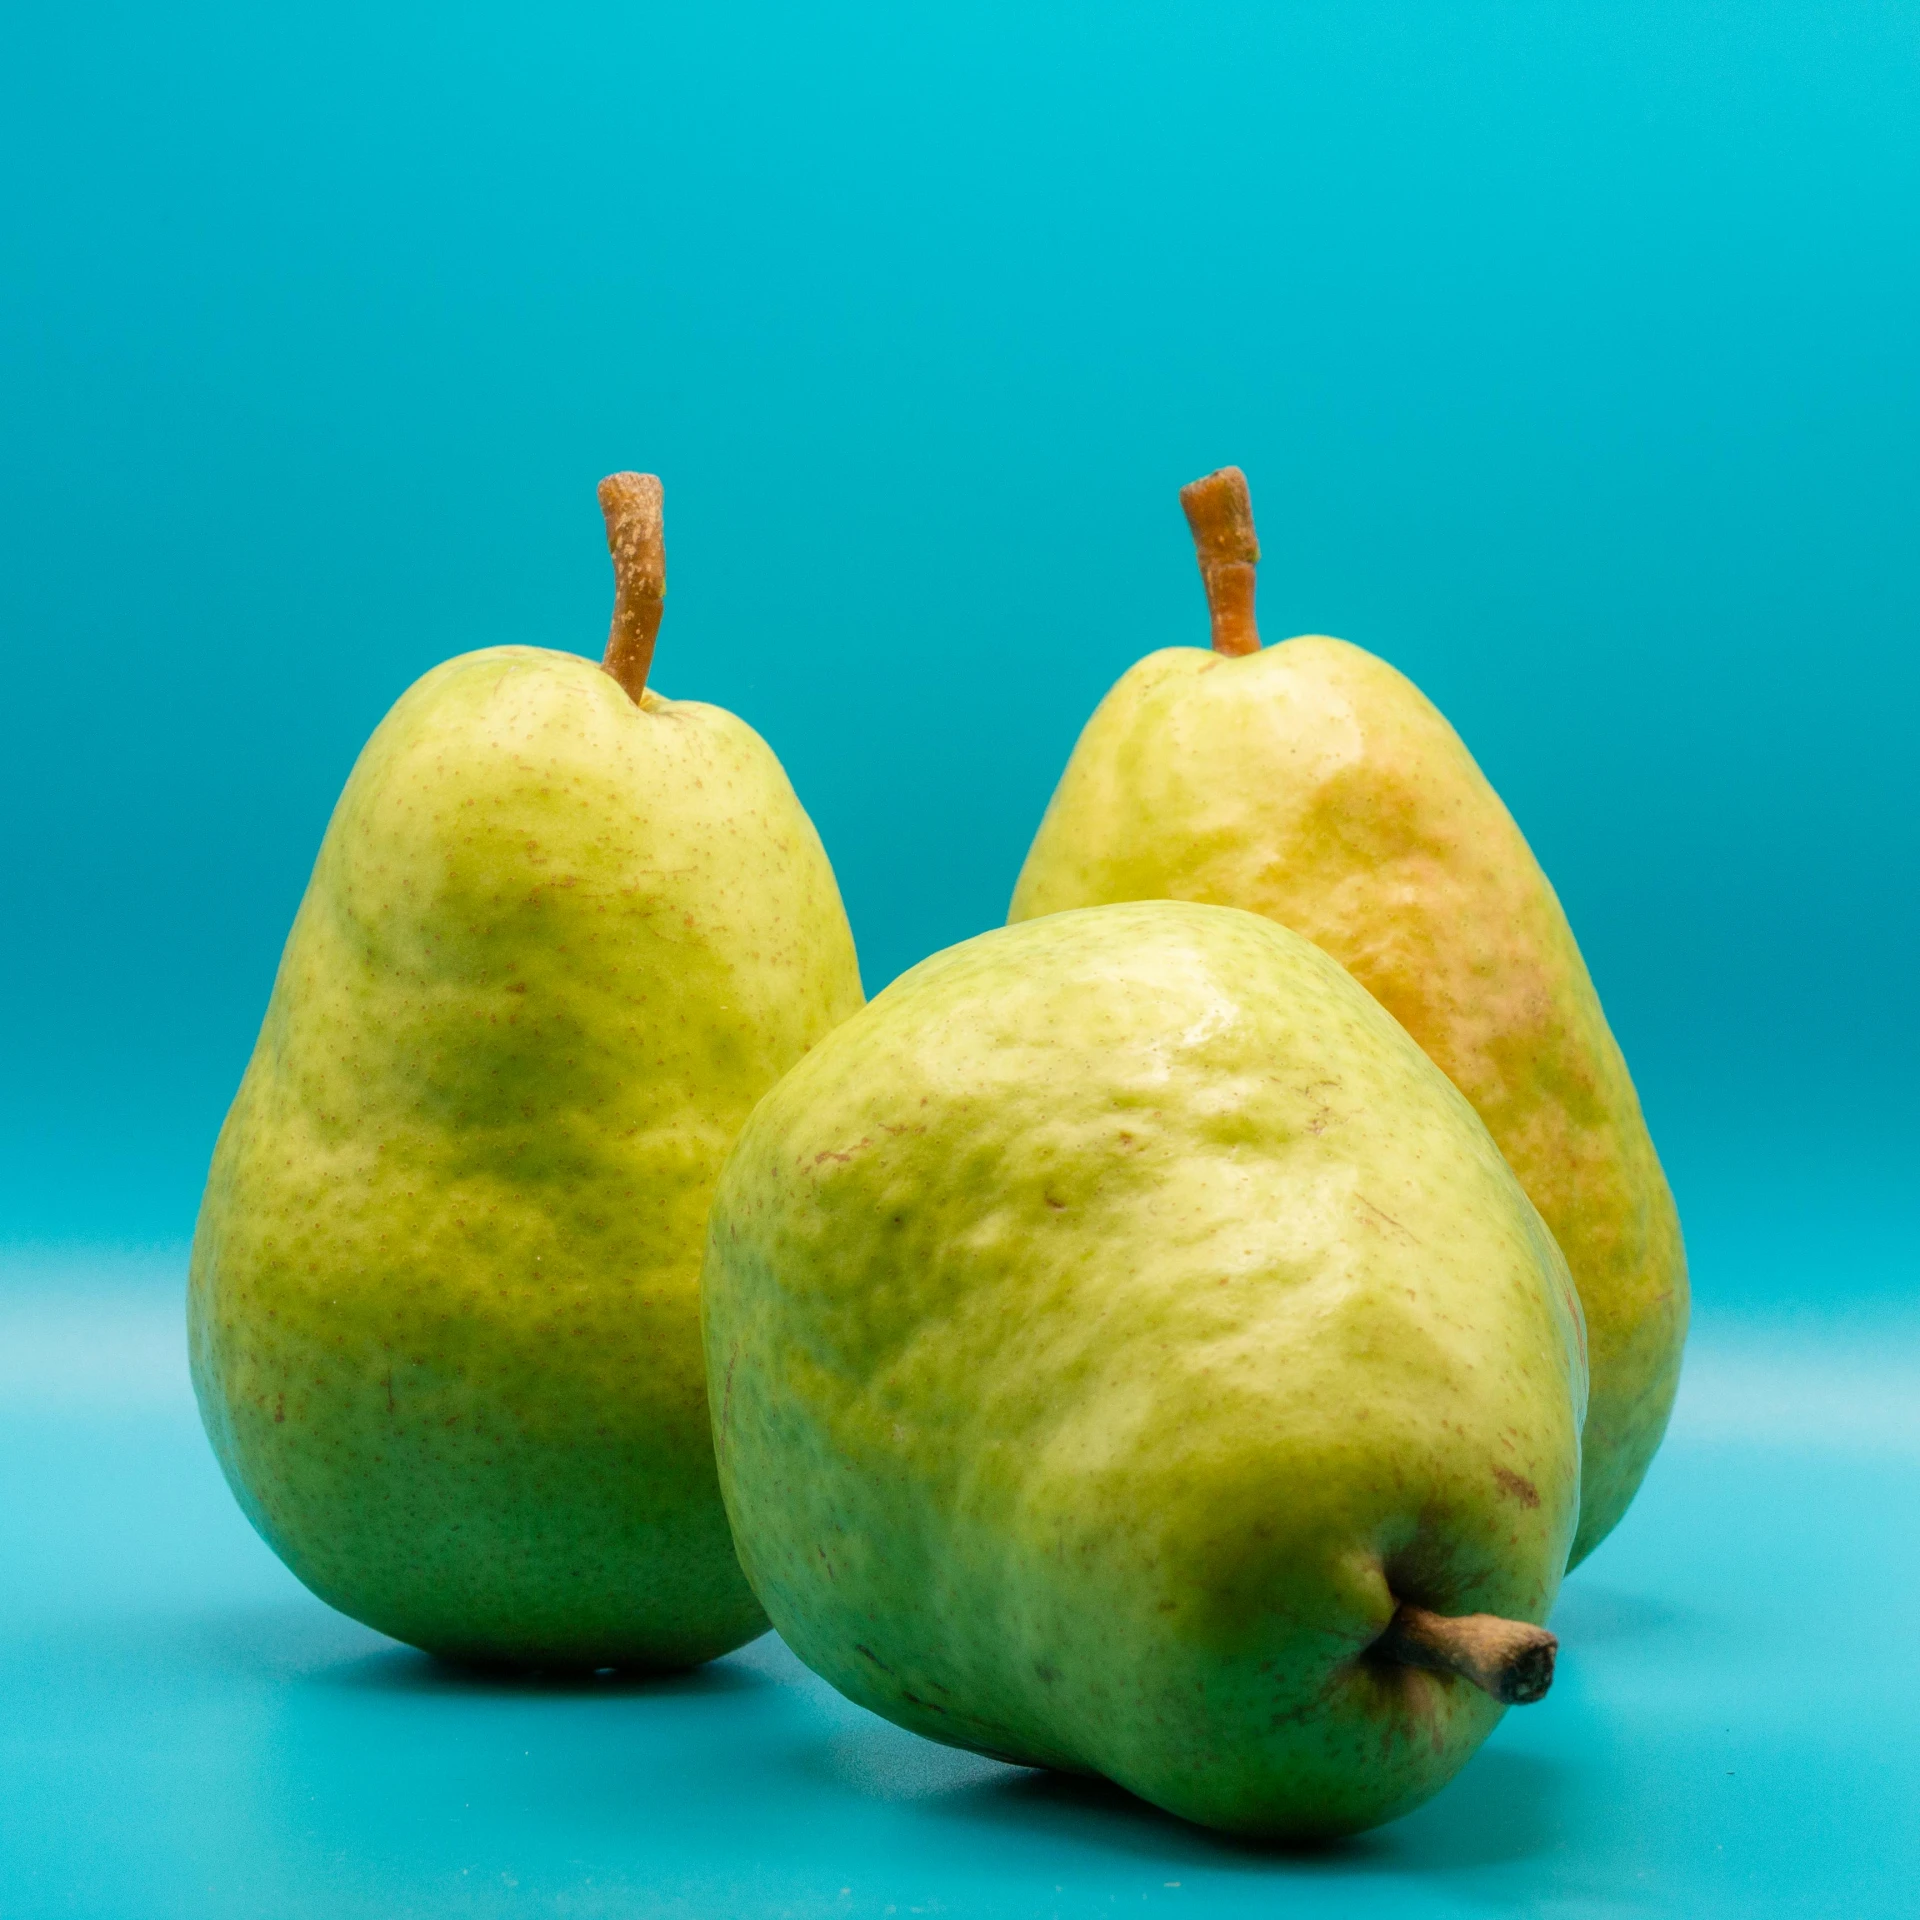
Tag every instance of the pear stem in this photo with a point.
(1220, 512)
(1508, 1659)
(631, 503)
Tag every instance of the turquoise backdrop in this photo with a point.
(1573, 350)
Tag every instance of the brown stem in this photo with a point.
(1221, 515)
(1506, 1658)
(631, 502)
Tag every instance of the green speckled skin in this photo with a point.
(444, 1305)
(1312, 783)
(1106, 1328)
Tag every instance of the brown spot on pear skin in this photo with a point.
(1518, 1485)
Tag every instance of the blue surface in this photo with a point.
(1735, 1729)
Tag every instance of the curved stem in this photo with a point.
(631, 503)
(1509, 1659)
(1220, 512)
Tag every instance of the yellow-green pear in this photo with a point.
(1129, 1354)
(1311, 783)
(444, 1304)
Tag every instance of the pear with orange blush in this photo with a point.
(1312, 783)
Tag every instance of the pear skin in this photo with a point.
(1311, 783)
(1131, 1355)
(562, 934)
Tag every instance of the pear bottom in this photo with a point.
(500, 1511)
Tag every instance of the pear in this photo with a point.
(1312, 783)
(444, 1298)
(1130, 1355)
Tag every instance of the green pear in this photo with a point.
(444, 1302)
(1130, 1355)
(1312, 783)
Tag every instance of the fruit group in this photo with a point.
(562, 934)
(1130, 1355)
(1311, 783)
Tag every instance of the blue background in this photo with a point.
(1570, 349)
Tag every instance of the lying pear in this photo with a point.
(1130, 1355)
(1312, 783)
(444, 1303)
